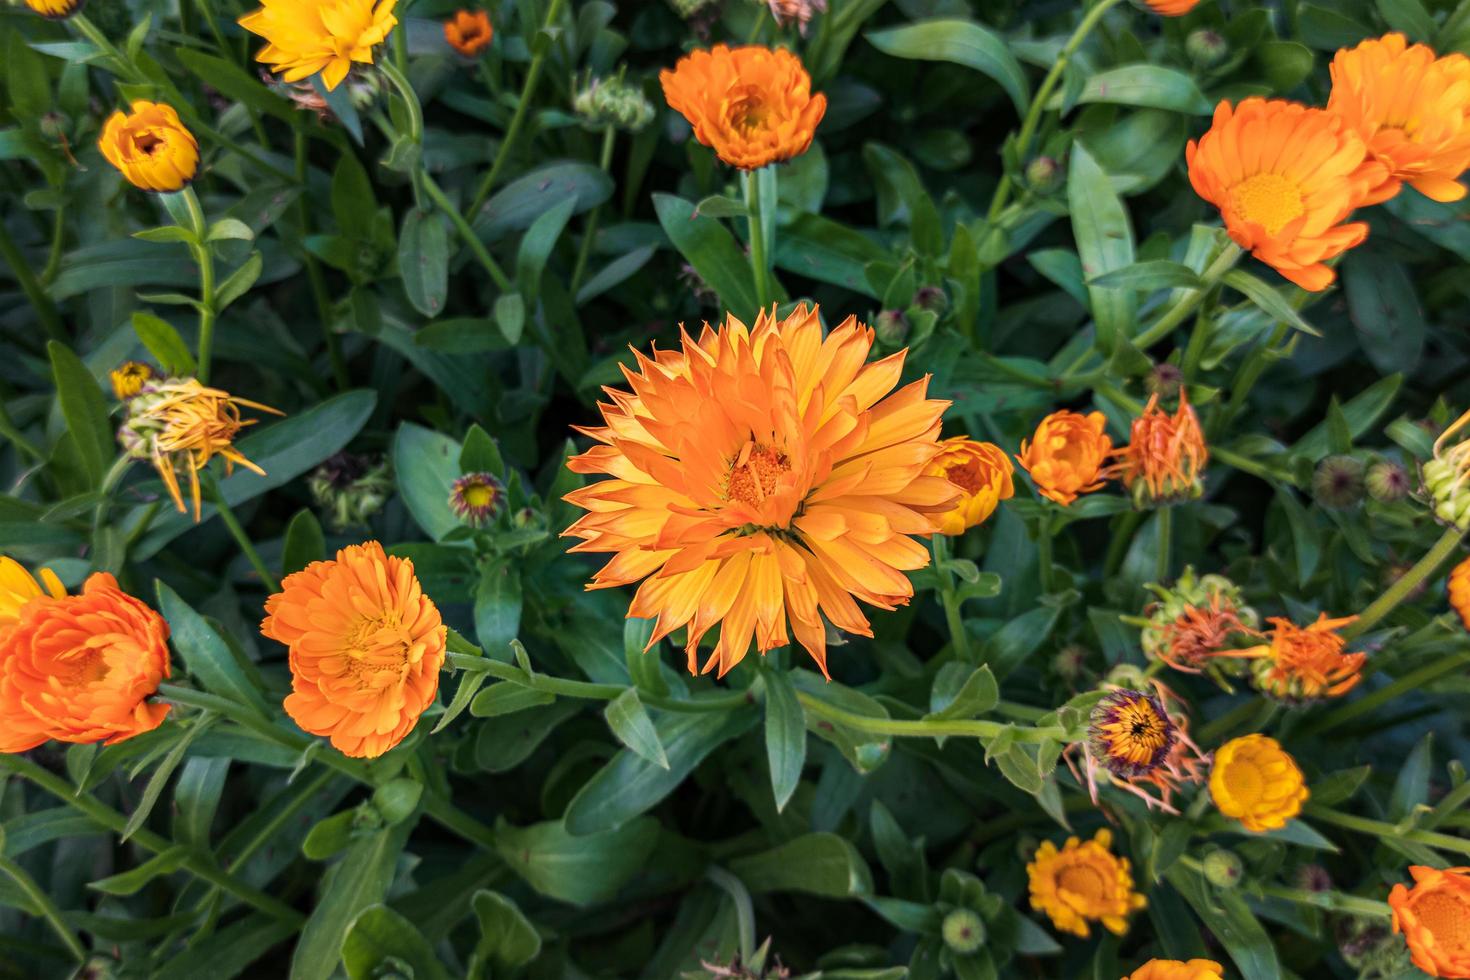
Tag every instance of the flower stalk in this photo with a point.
(760, 220)
(200, 249)
(1403, 587)
(1224, 261)
(948, 597)
(237, 532)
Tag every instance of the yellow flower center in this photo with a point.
(1447, 917)
(1244, 781)
(1085, 881)
(754, 473)
(479, 495)
(1270, 200)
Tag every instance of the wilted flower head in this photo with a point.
(177, 423)
(1195, 621)
(1447, 476)
(613, 101)
(1066, 455)
(1165, 455)
(469, 32)
(1081, 883)
(304, 37)
(1306, 663)
(1256, 782)
(1130, 734)
(982, 473)
(1337, 483)
(476, 498)
(150, 146)
(1434, 917)
(128, 379)
(351, 488)
(798, 12)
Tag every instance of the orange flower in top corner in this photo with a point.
(1165, 455)
(1171, 8)
(1178, 970)
(982, 473)
(304, 37)
(1434, 917)
(469, 32)
(1285, 178)
(1083, 882)
(1302, 663)
(1459, 590)
(55, 9)
(76, 668)
(150, 146)
(753, 105)
(1412, 108)
(759, 476)
(1066, 455)
(366, 646)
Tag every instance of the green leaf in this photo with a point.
(26, 80)
(1009, 646)
(1411, 785)
(131, 882)
(1226, 914)
(498, 602)
(85, 411)
(977, 693)
(196, 799)
(1305, 535)
(815, 864)
(206, 656)
(785, 736)
(159, 780)
(359, 880)
(353, 202)
(423, 260)
(380, 942)
(582, 869)
(229, 952)
(239, 282)
(1149, 276)
(1017, 765)
(632, 726)
(164, 343)
(507, 938)
(1384, 307)
(711, 250)
(330, 837)
(903, 199)
(505, 741)
(518, 204)
(426, 464)
(230, 80)
(480, 454)
(1145, 86)
(396, 799)
(507, 698)
(230, 229)
(304, 543)
(960, 42)
(469, 683)
(1269, 300)
(1104, 238)
(536, 246)
(1361, 411)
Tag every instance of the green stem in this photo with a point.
(45, 309)
(1381, 829)
(1245, 379)
(466, 233)
(565, 687)
(609, 136)
(45, 907)
(1186, 305)
(1245, 464)
(755, 215)
(314, 271)
(958, 635)
(528, 92)
(1412, 681)
(1411, 579)
(1045, 529)
(1032, 121)
(1164, 517)
(238, 533)
(200, 248)
(924, 729)
(1331, 901)
(410, 99)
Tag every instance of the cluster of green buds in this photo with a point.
(1195, 622)
(1447, 476)
(350, 488)
(612, 101)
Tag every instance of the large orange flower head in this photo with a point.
(752, 105)
(981, 472)
(1285, 178)
(1165, 455)
(1083, 882)
(150, 146)
(1434, 917)
(1459, 590)
(77, 668)
(1305, 663)
(304, 37)
(759, 475)
(366, 646)
(1066, 455)
(1412, 108)
(1178, 970)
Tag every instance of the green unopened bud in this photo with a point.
(1313, 878)
(1165, 380)
(688, 8)
(1069, 661)
(1223, 868)
(931, 298)
(1043, 175)
(613, 101)
(54, 126)
(964, 931)
(1206, 47)
(892, 328)
(350, 489)
(1338, 482)
(1387, 482)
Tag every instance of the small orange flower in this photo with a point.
(1171, 8)
(1305, 663)
(1285, 178)
(1255, 781)
(1459, 589)
(1082, 883)
(366, 646)
(1434, 917)
(1178, 970)
(1066, 455)
(1411, 108)
(753, 105)
(151, 146)
(469, 32)
(77, 668)
(1165, 456)
(982, 473)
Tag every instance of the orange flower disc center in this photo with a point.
(1084, 881)
(1270, 200)
(748, 109)
(1446, 916)
(377, 649)
(967, 476)
(754, 473)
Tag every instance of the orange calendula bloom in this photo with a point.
(469, 32)
(1165, 455)
(1434, 917)
(1305, 663)
(752, 105)
(1171, 8)
(76, 668)
(150, 146)
(1178, 970)
(304, 37)
(760, 475)
(1412, 108)
(1131, 733)
(1083, 882)
(1285, 178)
(1256, 782)
(981, 472)
(1066, 455)
(1459, 590)
(55, 9)
(366, 646)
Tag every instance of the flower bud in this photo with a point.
(476, 498)
(614, 102)
(892, 328)
(1223, 868)
(1449, 493)
(1043, 175)
(931, 298)
(1387, 482)
(1164, 380)
(350, 489)
(1313, 878)
(1206, 47)
(964, 931)
(1338, 482)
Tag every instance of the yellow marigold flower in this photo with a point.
(304, 37)
(1257, 783)
(179, 423)
(1434, 917)
(17, 588)
(1306, 663)
(1412, 108)
(366, 646)
(1066, 455)
(1165, 455)
(1131, 733)
(1178, 970)
(1082, 883)
(760, 476)
(79, 668)
(128, 379)
(150, 146)
(1447, 476)
(752, 105)
(982, 473)
(1285, 178)
(469, 32)
(55, 9)
(1459, 590)
(1171, 8)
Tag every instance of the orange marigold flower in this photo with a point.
(1165, 455)
(77, 668)
(366, 646)
(1178, 970)
(1305, 663)
(304, 37)
(55, 9)
(1285, 178)
(1171, 8)
(1066, 455)
(752, 105)
(179, 423)
(1412, 108)
(1131, 733)
(469, 32)
(1255, 781)
(981, 472)
(759, 475)
(1434, 917)
(150, 146)
(1083, 883)
(1459, 590)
